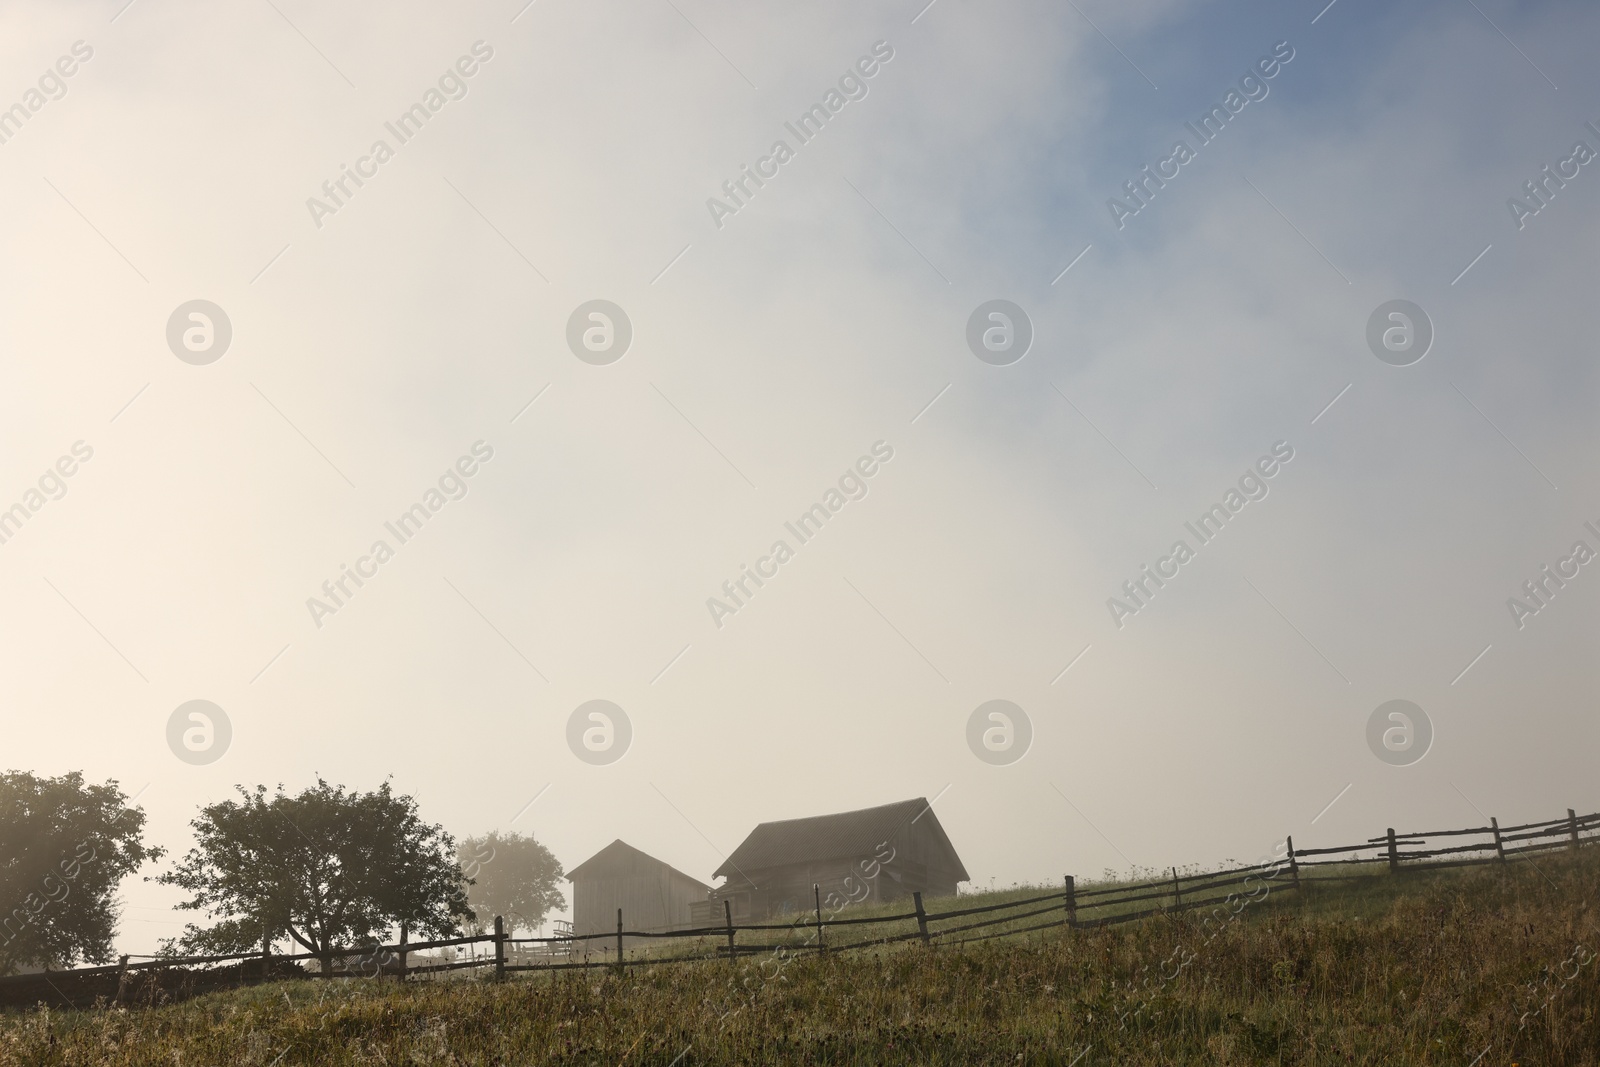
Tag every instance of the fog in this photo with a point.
(751, 362)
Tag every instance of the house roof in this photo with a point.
(621, 858)
(847, 834)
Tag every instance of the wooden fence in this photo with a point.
(147, 978)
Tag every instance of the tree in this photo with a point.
(64, 847)
(514, 877)
(333, 869)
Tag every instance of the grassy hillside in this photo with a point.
(1413, 969)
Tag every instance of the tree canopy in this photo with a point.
(514, 877)
(64, 847)
(331, 868)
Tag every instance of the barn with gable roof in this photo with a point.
(653, 896)
(873, 854)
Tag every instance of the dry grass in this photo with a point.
(1415, 969)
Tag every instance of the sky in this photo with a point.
(435, 315)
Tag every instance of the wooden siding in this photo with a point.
(649, 901)
(786, 889)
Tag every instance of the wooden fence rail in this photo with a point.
(1072, 907)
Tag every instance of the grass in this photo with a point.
(1413, 969)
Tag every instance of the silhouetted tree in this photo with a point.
(64, 847)
(514, 877)
(333, 869)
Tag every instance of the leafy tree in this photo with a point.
(514, 877)
(334, 869)
(64, 847)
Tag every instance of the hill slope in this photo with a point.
(1419, 969)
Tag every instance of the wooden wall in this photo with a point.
(787, 889)
(650, 901)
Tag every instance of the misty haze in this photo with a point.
(912, 532)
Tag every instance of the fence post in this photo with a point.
(122, 978)
(1499, 846)
(266, 953)
(727, 916)
(619, 941)
(817, 891)
(1572, 827)
(922, 917)
(1294, 868)
(405, 930)
(1394, 856)
(1072, 902)
(1177, 891)
(499, 949)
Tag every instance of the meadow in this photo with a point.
(1488, 965)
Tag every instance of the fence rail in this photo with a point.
(1092, 907)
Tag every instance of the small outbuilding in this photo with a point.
(878, 854)
(653, 896)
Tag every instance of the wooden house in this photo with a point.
(652, 895)
(878, 854)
